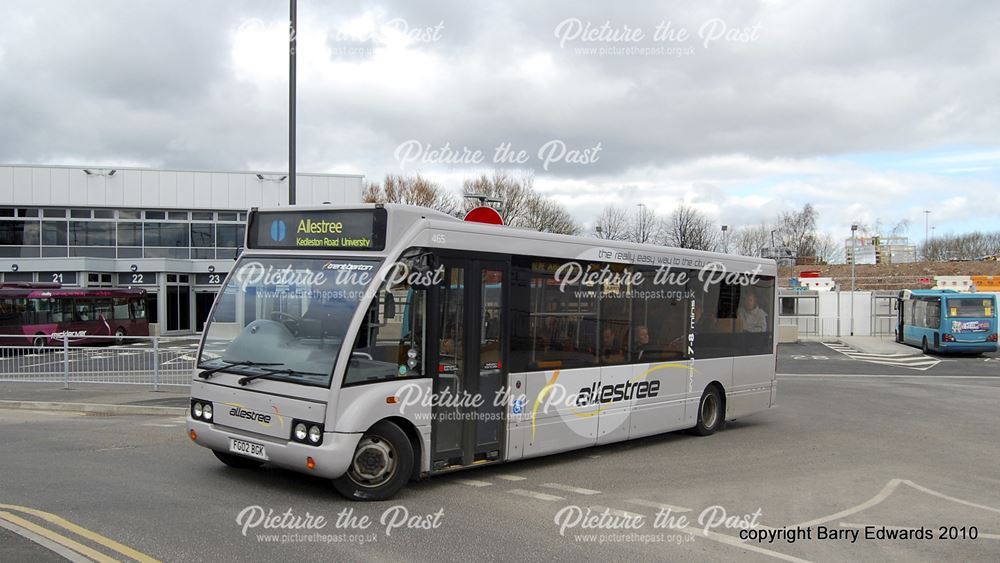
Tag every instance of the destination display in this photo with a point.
(345, 229)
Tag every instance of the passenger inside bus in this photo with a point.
(752, 318)
(449, 342)
(611, 350)
(642, 342)
(703, 323)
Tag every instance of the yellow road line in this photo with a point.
(59, 539)
(83, 532)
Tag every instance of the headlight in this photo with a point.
(197, 410)
(206, 411)
(315, 434)
(300, 432)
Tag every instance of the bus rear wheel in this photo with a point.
(710, 415)
(39, 341)
(924, 347)
(236, 461)
(381, 465)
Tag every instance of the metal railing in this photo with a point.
(138, 360)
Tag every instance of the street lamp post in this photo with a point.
(292, 30)
(725, 241)
(854, 259)
(927, 220)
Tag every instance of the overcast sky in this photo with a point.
(869, 110)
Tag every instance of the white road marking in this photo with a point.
(511, 477)
(952, 499)
(594, 456)
(534, 495)
(909, 361)
(161, 425)
(730, 540)
(880, 376)
(882, 495)
(473, 482)
(570, 489)
(659, 505)
(615, 512)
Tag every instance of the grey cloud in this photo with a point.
(152, 82)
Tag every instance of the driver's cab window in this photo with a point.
(390, 342)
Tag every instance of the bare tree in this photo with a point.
(546, 215)
(612, 224)
(967, 246)
(688, 227)
(515, 193)
(749, 240)
(828, 250)
(521, 206)
(645, 228)
(797, 230)
(410, 190)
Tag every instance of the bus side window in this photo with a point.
(121, 309)
(102, 308)
(7, 313)
(83, 311)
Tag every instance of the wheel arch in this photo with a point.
(413, 435)
(722, 396)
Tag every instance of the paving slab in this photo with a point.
(95, 398)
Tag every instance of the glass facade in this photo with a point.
(119, 233)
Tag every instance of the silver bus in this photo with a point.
(378, 344)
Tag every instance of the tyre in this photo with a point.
(381, 465)
(710, 415)
(39, 341)
(238, 462)
(923, 346)
(120, 336)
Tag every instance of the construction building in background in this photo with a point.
(879, 250)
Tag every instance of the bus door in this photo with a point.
(900, 303)
(470, 359)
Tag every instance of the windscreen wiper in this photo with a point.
(271, 372)
(210, 372)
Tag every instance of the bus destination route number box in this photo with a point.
(345, 229)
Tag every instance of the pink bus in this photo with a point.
(43, 314)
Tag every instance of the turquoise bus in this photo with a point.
(946, 321)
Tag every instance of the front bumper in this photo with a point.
(332, 458)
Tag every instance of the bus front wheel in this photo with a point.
(710, 415)
(120, 336)
(39, 341)
(381, 465)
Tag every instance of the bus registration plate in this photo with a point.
(247, 448)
